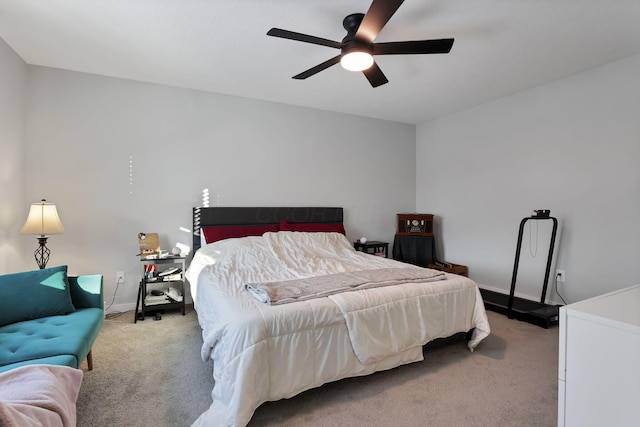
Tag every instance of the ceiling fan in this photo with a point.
(358, 48)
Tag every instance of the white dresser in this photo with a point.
(599, 363)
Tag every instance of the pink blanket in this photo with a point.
(39, 395)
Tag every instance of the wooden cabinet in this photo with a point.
(417, 250)
(414, 241)
(599, 368)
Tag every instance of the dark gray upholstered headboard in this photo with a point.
(221, 216)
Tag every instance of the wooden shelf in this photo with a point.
(462, 270)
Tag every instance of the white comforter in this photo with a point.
(262, 353)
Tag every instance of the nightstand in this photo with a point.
(161, 287)
(373, 247)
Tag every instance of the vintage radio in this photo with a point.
(415, 224)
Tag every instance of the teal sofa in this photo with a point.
(47, 317)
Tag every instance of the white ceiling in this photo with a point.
(501, 46)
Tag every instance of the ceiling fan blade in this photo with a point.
(291, 35)
(413, 47)
(375, 75)
(320, 67)
(376, 17)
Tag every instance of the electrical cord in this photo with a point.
(557, 291)
(113, 299)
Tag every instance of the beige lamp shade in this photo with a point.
(43, 220)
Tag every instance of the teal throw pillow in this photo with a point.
(34, 294)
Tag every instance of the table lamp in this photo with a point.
(43, 220)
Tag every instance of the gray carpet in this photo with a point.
(151, 374)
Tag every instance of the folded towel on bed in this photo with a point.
(287, 291)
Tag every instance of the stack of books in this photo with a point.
(171, 274)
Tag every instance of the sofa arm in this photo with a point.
(87, 291)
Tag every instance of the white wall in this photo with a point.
(85, 133)
(13, 208)
(572, 146)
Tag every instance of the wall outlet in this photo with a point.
(560, 275)
(120, 279)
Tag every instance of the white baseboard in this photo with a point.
(119, 308)
(550, 298)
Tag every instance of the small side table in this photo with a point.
(373, 247)
(145, 302)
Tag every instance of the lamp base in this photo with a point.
(42, 253)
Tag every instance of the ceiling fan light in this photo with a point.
(356, 61)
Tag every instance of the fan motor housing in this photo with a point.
(352, 22)
(349, 43)
(356, 46)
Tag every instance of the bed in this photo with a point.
(266, 351)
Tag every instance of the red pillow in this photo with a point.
(213, 234)
(313, 227)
